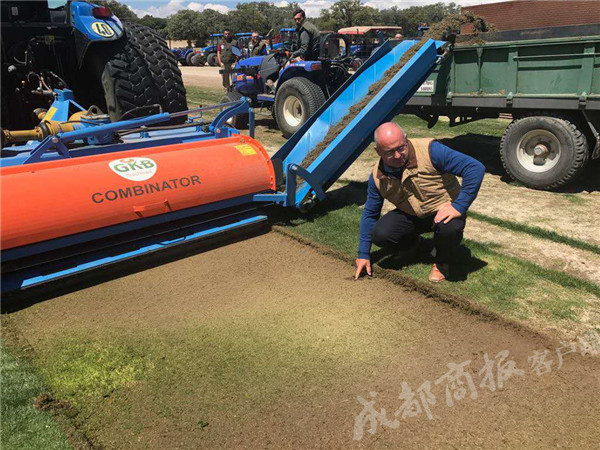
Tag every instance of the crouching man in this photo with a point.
(419, 178)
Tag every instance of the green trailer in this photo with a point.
(548, 80)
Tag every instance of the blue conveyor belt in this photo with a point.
(357, 135)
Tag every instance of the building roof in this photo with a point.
(523, 14)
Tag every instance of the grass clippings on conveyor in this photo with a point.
(436, 31)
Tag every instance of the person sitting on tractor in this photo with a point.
(307, 40)
(257, 47)
(226, 57)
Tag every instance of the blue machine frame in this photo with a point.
(33, 261)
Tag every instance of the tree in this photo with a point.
(246, 17)
(211, 21)
(156, 23)
(410, 18)
(277, 17)
(185, 25)
(123, 12)
(348, 13)
(345, 12)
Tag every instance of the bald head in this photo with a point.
(390, 143)
(389, 135)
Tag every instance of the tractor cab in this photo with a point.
(215, 38)
(244, 40)
(365, 39)
(210, 51)
(286, 40)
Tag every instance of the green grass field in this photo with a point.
(23, 426)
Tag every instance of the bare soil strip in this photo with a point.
(548, 254)
(574, 215)
(269, 343)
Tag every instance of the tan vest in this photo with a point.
(421, 190)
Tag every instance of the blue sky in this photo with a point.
(163, 8)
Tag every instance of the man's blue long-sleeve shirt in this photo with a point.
(445, 160)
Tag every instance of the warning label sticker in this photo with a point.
(246, 149)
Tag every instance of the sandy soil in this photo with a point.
(203, 77)
(267, 343)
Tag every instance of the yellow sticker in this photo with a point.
(50, 114)
(246, 149)
(103, 29)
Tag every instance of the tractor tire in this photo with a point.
(213, 60)
(139, 72)
(544, 152)
(188, 58)
(239, 122)
(198, 61)
(295, 102)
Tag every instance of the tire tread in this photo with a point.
(581, 151)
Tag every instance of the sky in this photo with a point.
(164, 8)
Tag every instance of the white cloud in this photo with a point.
(160, 11)
(195, 6)
(313, 8)
(175, 5)
(281, 4)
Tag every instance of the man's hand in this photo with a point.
(362, 264)
(446, 213)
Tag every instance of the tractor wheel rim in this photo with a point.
(538, 151)
(293, 111)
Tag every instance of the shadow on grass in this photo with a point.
(353, 193)
(465, 264)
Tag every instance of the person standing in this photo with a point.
(258, 47)
(226, 57)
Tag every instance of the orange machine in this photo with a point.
(58, 198)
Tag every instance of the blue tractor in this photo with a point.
(209, 53)
(124, 69)
(184, 55)
(293, 91)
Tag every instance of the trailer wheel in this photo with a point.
(213, 60)
(544, 152)
(140, 71)
(240, 121)
(296, 100)
(198, 60)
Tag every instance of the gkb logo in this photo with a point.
(135, 169)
